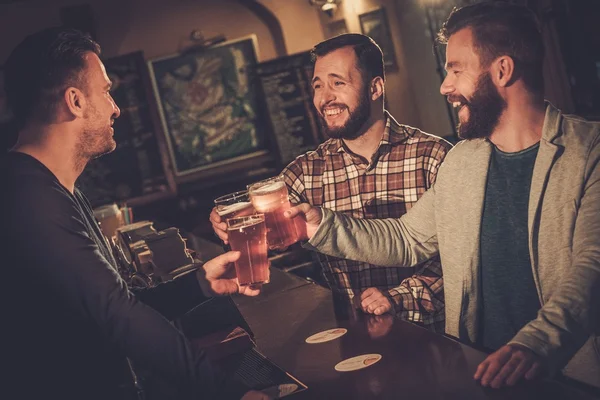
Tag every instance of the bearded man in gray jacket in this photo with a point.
(514, 214)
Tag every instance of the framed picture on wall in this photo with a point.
(375, 25)
(208, 105)
(337, 28)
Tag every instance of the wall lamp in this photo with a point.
(327, 6)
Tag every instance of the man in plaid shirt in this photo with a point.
(371, 167)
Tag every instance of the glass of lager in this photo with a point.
(248, 235)
(270, 197)
(233, 205)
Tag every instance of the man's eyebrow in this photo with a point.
(336, 76)
(452, 64)
(332, 75)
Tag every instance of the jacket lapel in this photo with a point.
(546, 156)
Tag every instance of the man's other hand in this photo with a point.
(217, 277)
(372, 301)
(507, 365)
(307, 219)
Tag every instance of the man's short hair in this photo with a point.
(41, 68)
(501, 28)
(368, 53)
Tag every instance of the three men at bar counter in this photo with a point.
(371, 167)
(70, 319)
(514, 213)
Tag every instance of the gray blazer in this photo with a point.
(564, 241)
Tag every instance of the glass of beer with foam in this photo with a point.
(233, 205)
(270, 197)
(248, 235)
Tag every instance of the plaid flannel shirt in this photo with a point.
(404, 166)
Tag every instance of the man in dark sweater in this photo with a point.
(71, 320)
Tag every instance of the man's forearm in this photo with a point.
(385, 242)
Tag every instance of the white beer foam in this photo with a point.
(268, 188)
(233, 208)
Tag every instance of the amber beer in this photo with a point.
(270, 197)
(248, 235)
(109, 218)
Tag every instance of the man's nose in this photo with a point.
(446, 88)
(116, 110)
(327, 96)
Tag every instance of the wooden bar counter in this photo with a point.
(415, 364)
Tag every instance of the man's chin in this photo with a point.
(335, 133)
(336, 126)
(107, 150)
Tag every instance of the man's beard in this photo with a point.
(353, 127)
(485, 108)
(95, 143)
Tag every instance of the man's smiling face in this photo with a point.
(341, 97)
(470, 88)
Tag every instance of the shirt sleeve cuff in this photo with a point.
(323, 230)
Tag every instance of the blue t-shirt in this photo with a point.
(508, 291)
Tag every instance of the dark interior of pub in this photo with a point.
(215, 95)
(174, 182)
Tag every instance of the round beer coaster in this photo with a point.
(326, 336)
(358, 362)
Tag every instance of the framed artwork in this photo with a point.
(375, 25)
(137, 171)
(338, 27)
(208, 105)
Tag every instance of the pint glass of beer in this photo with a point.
(236, 204)
(109, 218)
(248, 235)
(270, 197)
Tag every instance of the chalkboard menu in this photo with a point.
(135, 172)
(286, 85)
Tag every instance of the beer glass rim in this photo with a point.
(230, 196)
(106, 210)
(259, 217)
(264, 182)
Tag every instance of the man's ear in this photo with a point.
(75, 101)
(377, 88)
(503, 71)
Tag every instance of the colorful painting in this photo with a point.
(208, 105)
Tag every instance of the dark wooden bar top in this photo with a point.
(415, 364)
